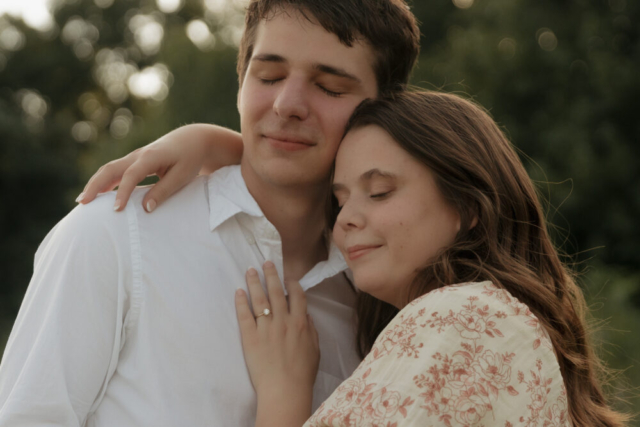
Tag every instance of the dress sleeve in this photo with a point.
(467, 355)
(65, 341)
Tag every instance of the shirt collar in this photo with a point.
(333, 265)
(229, 196)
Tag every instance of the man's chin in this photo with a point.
(287, 173)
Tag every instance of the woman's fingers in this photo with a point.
(143, 167)
(170, 183)
(274, 287)
(314, 331)
(297, 299)
(106, 178)
(245, 318)
(129, 171)
(259, 300)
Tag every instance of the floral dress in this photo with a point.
(463, 355)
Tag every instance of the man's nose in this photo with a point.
(292, 101)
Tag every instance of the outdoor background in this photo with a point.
(85, 81)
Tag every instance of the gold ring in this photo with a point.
(265, 312)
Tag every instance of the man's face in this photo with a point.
(300, 89)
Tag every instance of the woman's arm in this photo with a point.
(176, 158)
(281, 349)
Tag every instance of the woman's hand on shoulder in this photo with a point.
(281, 348)
(176, 158)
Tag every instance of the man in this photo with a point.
(129, 319)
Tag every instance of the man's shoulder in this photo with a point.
(88, 229)
(94, 218)
(194, 193)
(98, 218)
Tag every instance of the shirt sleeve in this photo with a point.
(65, 341)
(457, 357)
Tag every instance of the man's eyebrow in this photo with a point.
(269, 57)
(328, 69)
(323, 68)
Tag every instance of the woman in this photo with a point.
(466, 316)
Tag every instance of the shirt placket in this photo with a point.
(269, 244)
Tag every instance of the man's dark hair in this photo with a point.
(388, 26)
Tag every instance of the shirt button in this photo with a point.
(250, 239)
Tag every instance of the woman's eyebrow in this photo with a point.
(367, 176)
(336, 186)
(377, 173)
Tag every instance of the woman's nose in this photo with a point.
(350, 217)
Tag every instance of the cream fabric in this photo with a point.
(464, 355)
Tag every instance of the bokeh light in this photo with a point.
(121, 123)
(463, 4)
(199, 33)
(507, 47)
(148, 32)
(547, 39)
(11, 38)
(169, 6)
(84, 131)
(112, 72)
(34, 13)
(151, 83)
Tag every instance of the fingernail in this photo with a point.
(80, 197)
(268, 264)
(117, 205)
(151, 205)
(239, 292)
(252, 272)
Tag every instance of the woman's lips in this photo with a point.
(358, 251)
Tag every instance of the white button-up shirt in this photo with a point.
(129, 319)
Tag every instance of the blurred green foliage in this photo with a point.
(561, 76)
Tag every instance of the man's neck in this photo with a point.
(298, 215)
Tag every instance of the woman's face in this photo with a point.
(393, 220)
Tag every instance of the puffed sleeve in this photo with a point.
(464, 355)
(65, 341)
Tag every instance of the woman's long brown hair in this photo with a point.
(480, 174)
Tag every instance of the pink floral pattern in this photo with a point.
(463, 355)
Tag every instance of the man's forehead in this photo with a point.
(289, 37)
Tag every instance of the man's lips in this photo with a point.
(288, 143)
(358, 251)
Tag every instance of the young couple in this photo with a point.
(463, 312)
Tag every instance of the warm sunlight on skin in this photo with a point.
(393, 218)
(301, 86)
